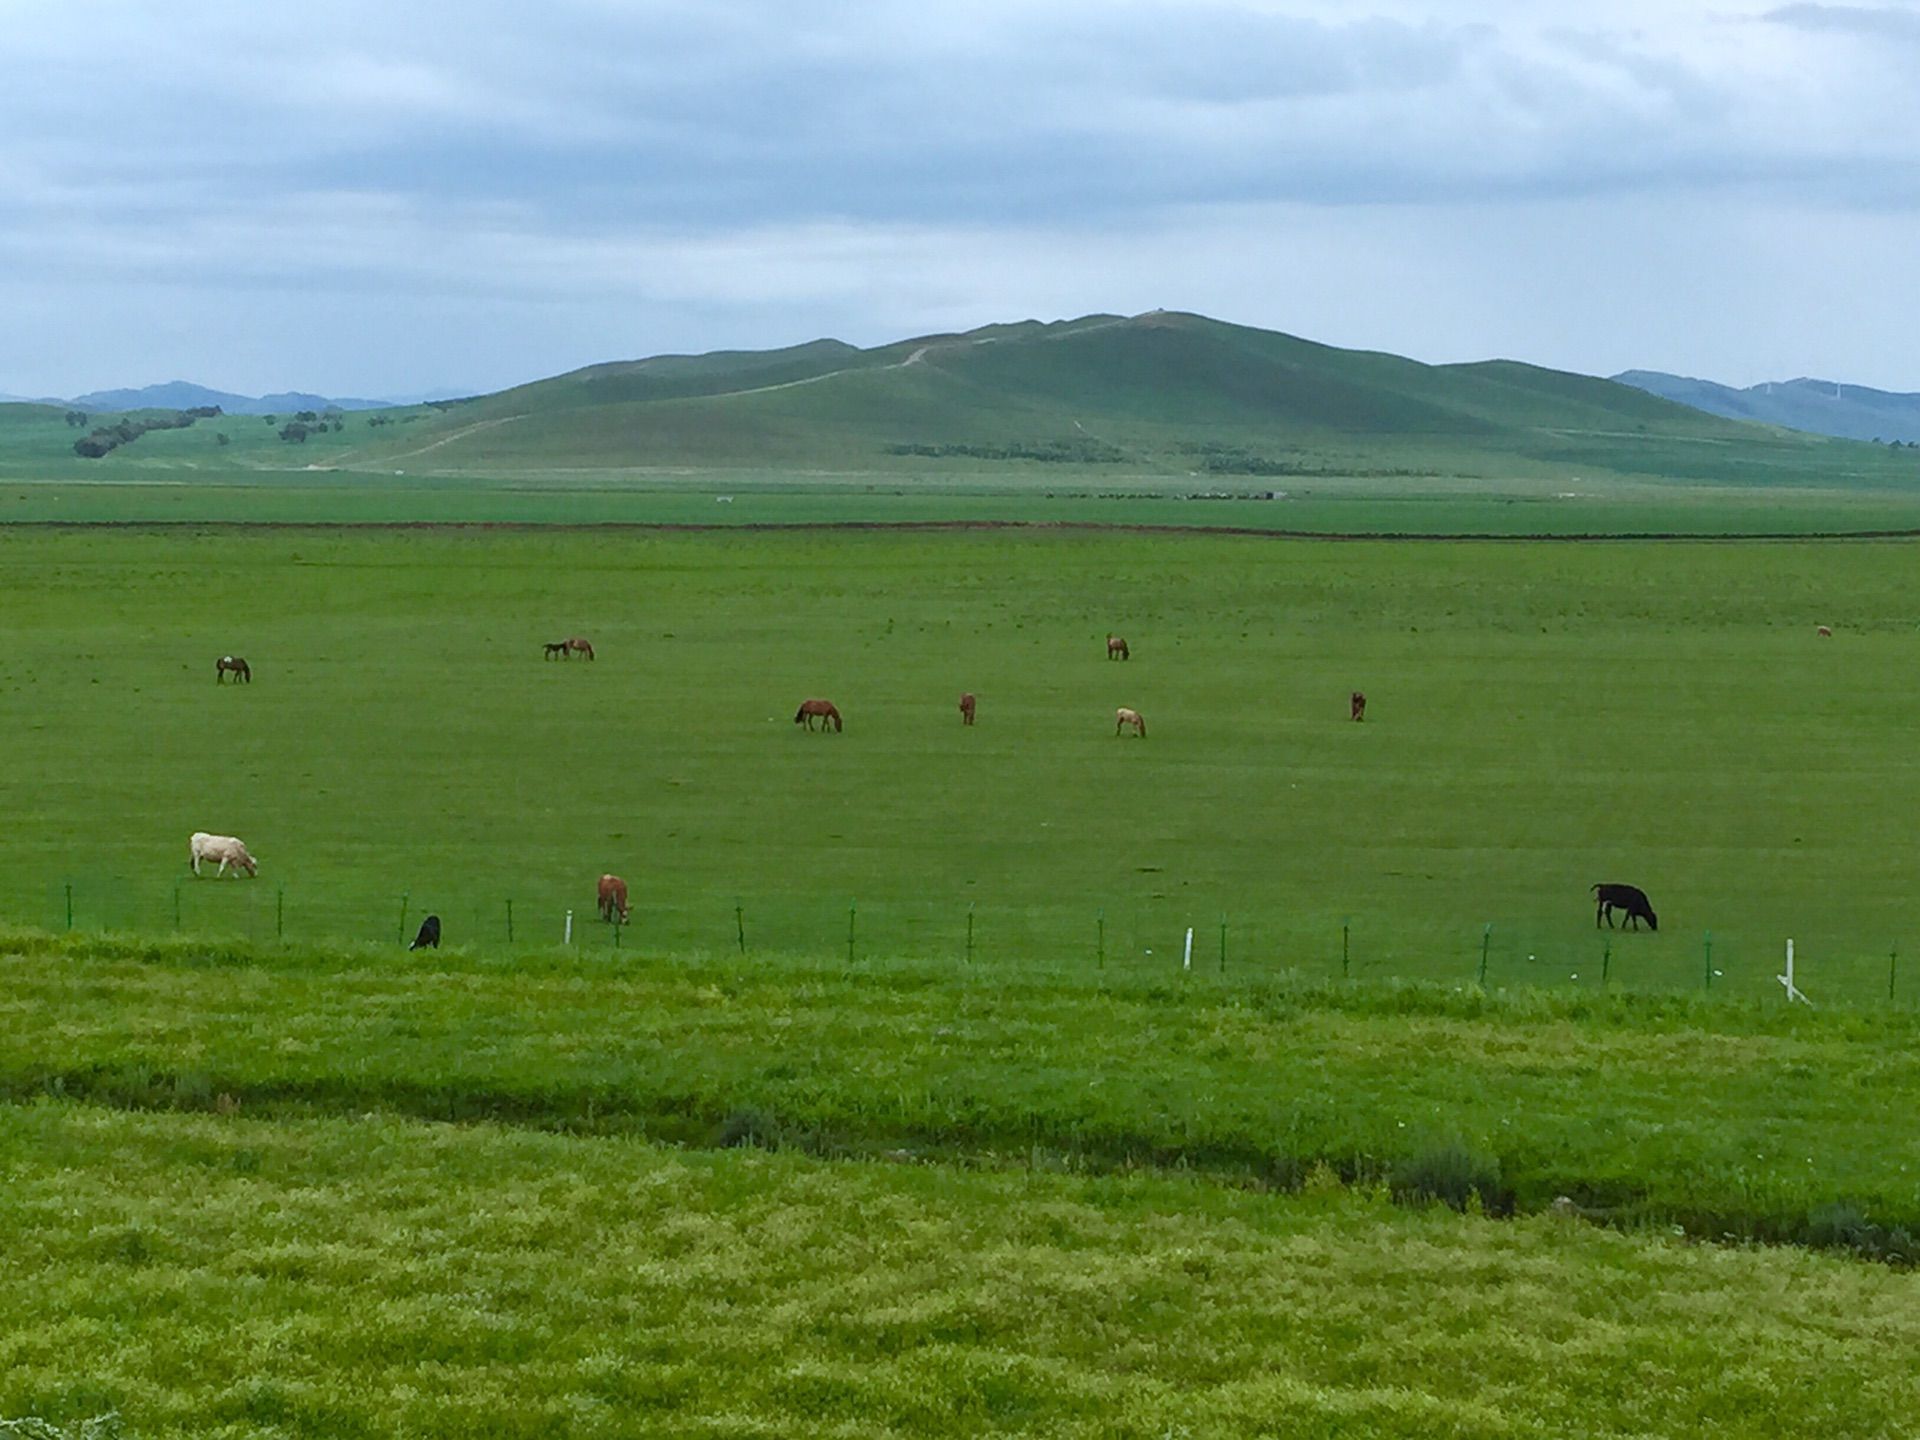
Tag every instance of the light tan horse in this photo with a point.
(824, 709)
(1117, 648)
(1124, 717)
(966, 708)
(576, 646)
(613, 898)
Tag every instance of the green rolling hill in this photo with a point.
(1073, 403)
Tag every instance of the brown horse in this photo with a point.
(576, 646)
(966, 708)
(1117, 649)
(1124, 717)
(1359, 706)
(613, 899)
(824, 709)
(556, 650)
(234, 665)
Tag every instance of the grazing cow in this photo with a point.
(613, 899)
(1117, 648)
(1630, 898)
(429, 936)
(1359, 704)
(231, 665)
(224, 848)
(966, 708)
(1825, 632)
(1124, 717)
(824, 709)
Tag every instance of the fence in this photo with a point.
(1131, 937)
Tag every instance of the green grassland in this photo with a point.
(223, 1276)
(1542, 717)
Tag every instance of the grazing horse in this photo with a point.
(1117, 649)
(613, 899)
(556, 650)
(1359, 704)
(429, 936)
(576, 646)
(1825, 632)
(1124, 717)
(231, 664)
(822, 708)
(224, 848)
(966, 708)
(1630, 898)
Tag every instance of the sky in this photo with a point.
(382, 199)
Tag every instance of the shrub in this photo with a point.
(1453, 1175)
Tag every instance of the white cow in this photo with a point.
(226, 849)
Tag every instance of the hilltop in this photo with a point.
(1127, 402)
(1821, 407)
(1163, 393)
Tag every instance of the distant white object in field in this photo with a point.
(1793, 991)
(1186, 962)
(569, 938)
(723, 499)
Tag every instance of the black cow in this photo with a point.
(1630, 898)
(429, 936)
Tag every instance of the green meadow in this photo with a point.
(895, 1110)
(1541, 717)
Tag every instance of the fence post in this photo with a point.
(405, 896)
(1486, 943)
(970, 932)
(176, 904)
(1606, 960)
(1893, 959)
(1100, 940)
(69, 905)
(740, 924)
(1223, 944)
(279, 913)
(509, 922)
(1346, 971)
(851, 907)
(1709, 961)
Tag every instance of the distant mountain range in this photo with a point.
(1822, 407)
(184, 395)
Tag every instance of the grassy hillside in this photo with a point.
(1163, 400)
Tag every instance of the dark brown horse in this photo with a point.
(966, 708)
(613, 899)
(1359, 706)
(556, 650)
(1117, 648)
(234, 665)
(824, 709)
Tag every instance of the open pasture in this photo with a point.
(1540, 717)
(215, 1276)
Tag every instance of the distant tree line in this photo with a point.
(108, 438)
(1053, 452)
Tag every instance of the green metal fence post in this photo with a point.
(405, 896)
(280, 913)
(740, 925)
(851, 907)
(970, 932)
(69, 905)
(1346, 970)
(1606, 960)
(1709, 959)
(509, 922)
(1486, 943)
(1223, 944)
(1100, 940)
(1893, 959)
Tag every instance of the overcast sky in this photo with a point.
(384, 198)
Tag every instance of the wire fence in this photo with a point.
(1131, 938)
